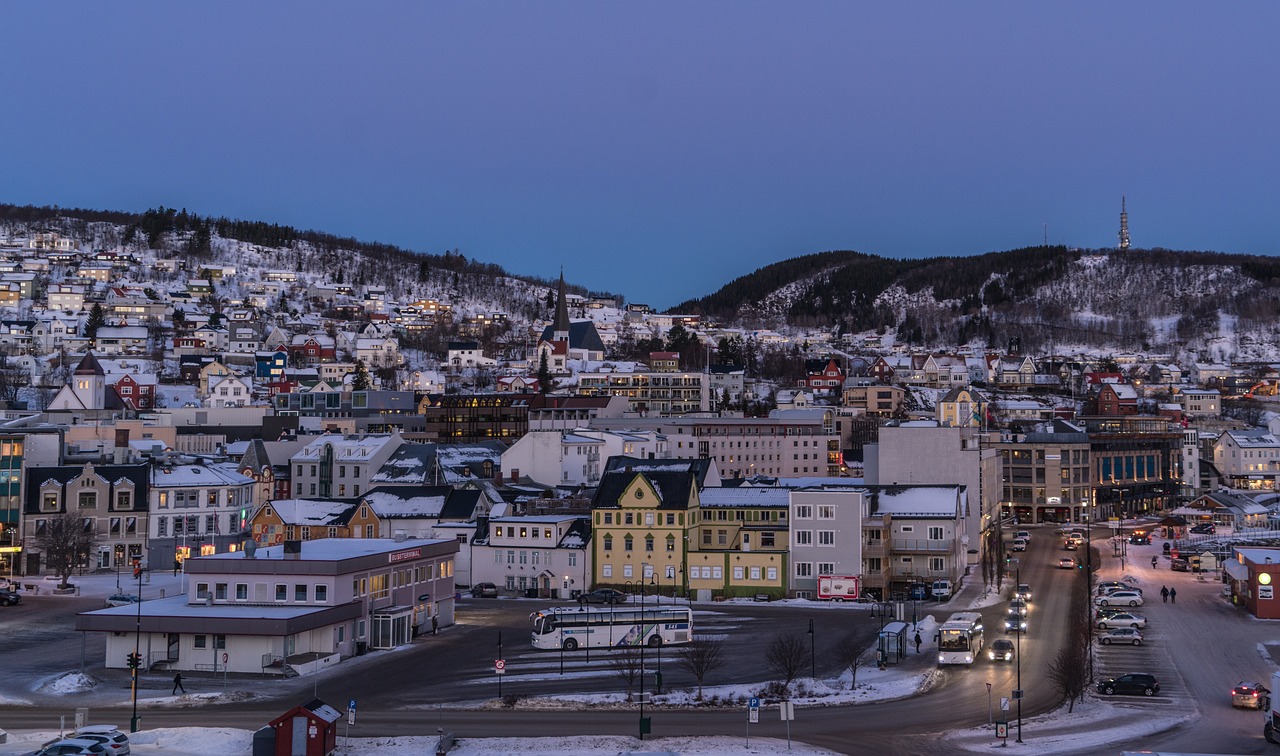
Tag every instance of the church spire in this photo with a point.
(1124, 225)
(560, 327)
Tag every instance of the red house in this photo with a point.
(314, 724)
(823, 379)
(138, 395)
(1117, 399)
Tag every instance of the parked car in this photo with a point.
(1250, 695)
(1067, 563)
(71, 747)
(603, 596)
(1179, 565)
(1023, 592)
(122, 599)
(1109, 611)
(1204, 528)
(1134, 683)
(1015, 623)
(1120, 598)
(1112, 586)
(9, 598)
(1001, 650)
(484, 590)
(1122, 619)
(113, 741)
(1120, 635)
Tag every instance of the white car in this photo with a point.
(1120, 635)
(1024, 535)
(1120, 598)
(1123, 619)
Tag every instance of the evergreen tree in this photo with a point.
(544, 373)
(360, 381)
(97, 319)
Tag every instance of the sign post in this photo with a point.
(753, 716)
(351, 718)
(788, 711)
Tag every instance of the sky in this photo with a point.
(658, 150)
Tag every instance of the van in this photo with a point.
(942, 589)
(1179, 565)
(1019, 544)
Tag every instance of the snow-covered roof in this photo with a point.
(918, 501)
(182, 476)
(745, 497)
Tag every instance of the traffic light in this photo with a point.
(133, 660)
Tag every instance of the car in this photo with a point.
(122, 599)
(1024, 535)
(603, 596)
(1120, 598)
(1023, 592)
(1019, 606)
(1204, 528)
(1015, 623)
(1109, 611)
(9, 598)
(1070, 544)
(1179, 565)
(1106, 586)
(1120, 635)
(1067, 563)
(1122, 619)
(1250, 695)
(484, 590)
(1134, 683)
(1001, 650)
(1019, 544)
(1140, 539)
(71, 747)
(113, 741)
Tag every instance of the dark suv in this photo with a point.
(1134, 683)
(1204, 528)
(484, 590)
(9, 598)
(603, 596)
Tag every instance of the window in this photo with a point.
(202, 641)
(937, 564)
(826, 538)
(124, 500)
(322, 593)
(804, 569)
(935, 533)
(220, 642)
(873, 564)
(737, 573)
(826, 568)
(627, 543)
(804, 537)
(242, 592)
(202, 590)
(162, 526)
(282, 592)
(648, 543)
(49, 502)
(755, 573)
(220, 592)
(608, 518)
(826, 512)
(608, 543)
(722, 537)
(771, 574)
(626, 571)
(671, 543)
(299, 593)
(88, 500)
(606, 570)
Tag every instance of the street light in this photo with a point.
(644, 723)
(1018, 653)
(812, 665)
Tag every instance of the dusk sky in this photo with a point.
(659, 149)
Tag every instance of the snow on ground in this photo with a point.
(71, 682)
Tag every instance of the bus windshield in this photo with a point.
(954, 640)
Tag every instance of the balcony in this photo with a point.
(923, 545)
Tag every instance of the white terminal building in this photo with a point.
(293, 608)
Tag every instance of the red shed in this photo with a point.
(307, 730)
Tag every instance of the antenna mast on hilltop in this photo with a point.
(1124, 225)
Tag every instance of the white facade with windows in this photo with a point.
(547, 554)
(826, 536)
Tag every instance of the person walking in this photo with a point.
(1154, 561)
(1173, 595)
(919, 640)
(177, 685)
(435, 623)
(1164, 593)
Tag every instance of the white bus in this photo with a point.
(960, 639)
(573, 627)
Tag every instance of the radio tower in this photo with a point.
(1124, 225)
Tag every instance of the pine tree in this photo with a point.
(360, 380)
(544, 372)
(97, 319)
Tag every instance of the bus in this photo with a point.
(579, 627)
(960, 639)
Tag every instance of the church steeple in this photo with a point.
(560, 326)
(1124, 225)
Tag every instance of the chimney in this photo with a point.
(401, 536)
(292, 549)
(250, 549)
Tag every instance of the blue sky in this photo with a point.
(659, 149)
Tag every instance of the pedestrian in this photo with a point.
(918, 641)
(1173, 595)
(176, 566)
(1164, 593)
(1154, 561)
(435, 624)
(177, 685)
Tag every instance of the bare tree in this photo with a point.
(66, 541)
(850, 653)
(13, 378)
(786, 655)
(625, 662)
(1068, 673)
(701, 657)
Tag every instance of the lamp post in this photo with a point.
(640, 584)
(812, 657)
(657, 675)
(1018, 581)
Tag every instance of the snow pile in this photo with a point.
(194, 741)
(70, 683)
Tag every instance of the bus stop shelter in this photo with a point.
(891, 643)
